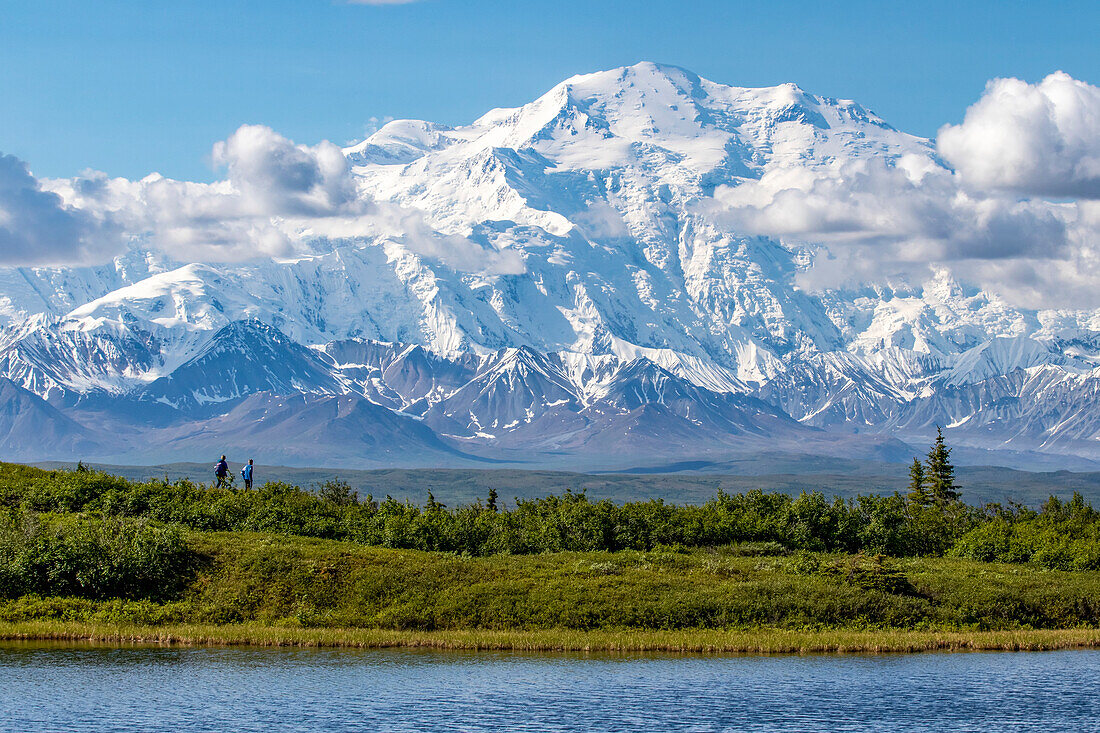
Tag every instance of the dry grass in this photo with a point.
(762, 641)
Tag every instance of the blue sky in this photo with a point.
(130, 87)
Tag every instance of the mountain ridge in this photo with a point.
(554, 279)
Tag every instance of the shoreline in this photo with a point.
(698, 641)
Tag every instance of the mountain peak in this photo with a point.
(645, 74)
(399, 142)
(598, 120)
(604, 190)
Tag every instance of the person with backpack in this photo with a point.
(221, 473)
(246, 474)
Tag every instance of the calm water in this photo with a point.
(57, 688)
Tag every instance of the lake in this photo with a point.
(52, 687)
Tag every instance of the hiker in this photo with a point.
(246, 474)
(221, 472)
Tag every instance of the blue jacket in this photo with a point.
(221, 468)
(246, 472)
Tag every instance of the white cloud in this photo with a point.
(601, 221)
(991, 219)
(1039, 139)
(38, 228)
(272, 190)
(273, 176)
(464, 254)
(278, 199)
(877, 219)
(409, 228)
(915, 210)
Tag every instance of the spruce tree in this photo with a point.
(918, 485)
(940, 473)
(492, 502)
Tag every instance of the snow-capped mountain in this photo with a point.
(558, 285)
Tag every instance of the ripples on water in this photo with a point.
(57, 688)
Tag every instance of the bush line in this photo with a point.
(1061, 535)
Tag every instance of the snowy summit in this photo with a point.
(637, 265)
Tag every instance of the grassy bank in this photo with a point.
(85, 555)
(698, 641)
(294, 583)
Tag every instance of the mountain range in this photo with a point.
(558, 293)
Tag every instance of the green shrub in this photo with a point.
(1060, 535)
(90, 557)
(873, 572)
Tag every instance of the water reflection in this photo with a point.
(84, 688)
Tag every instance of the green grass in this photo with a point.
(87, 555)
(291, 585)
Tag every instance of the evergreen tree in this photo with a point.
(941, 474)
(492, 501)
(918, 485)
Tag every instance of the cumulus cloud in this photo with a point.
(464, 254)
(278, 199)
(871, 219)
(38, 227)
(273, 188)
(273, 176)
(409, 228)
(1039, 139)
(600, 220)
(911, 208)
(1017, 211)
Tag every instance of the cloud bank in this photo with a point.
(278, 199)
(909, 210)
(272, 189)
(275, 177)
(38, 227)
(1016, 212)
(1035, 139)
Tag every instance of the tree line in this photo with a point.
(930, 520)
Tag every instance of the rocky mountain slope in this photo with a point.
(557, 287)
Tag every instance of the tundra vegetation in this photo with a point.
(84, 547)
